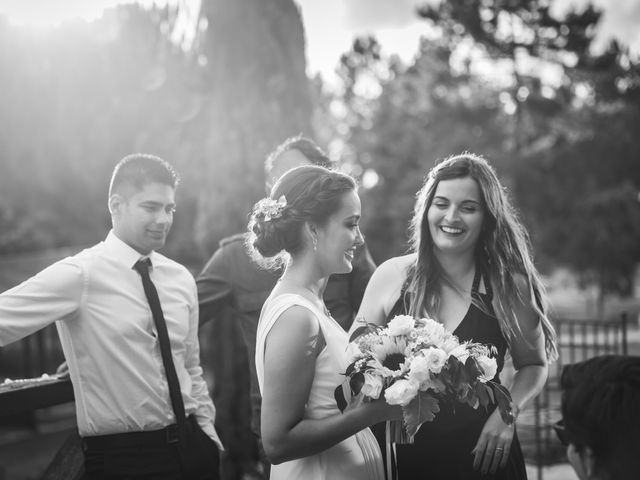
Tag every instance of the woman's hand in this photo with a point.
(383, 412)
(62, 371)
(494, 445)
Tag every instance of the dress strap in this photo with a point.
(475, 293)
(399, 308)
(476, 281)
(488, 289)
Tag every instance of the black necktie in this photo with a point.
(142, 266)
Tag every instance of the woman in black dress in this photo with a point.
(471, 269)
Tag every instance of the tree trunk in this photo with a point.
(257, 94)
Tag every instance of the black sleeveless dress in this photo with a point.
(442, 448)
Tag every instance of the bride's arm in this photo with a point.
(291, 350)
(382, 291)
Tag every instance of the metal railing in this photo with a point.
(577, 340)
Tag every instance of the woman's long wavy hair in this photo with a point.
(502, 252)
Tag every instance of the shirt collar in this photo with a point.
(123, 252)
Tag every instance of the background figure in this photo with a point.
(471, 269)
(601, 417)
(127, 317)
(310, 224)
(232, 289)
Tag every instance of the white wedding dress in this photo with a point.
(356, 458)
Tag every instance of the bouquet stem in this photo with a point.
(397, 433)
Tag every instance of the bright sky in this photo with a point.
(331, 25)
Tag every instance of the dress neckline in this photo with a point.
(316, 309)
(474, 294)
(484, 298)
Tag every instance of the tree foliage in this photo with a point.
(423, 113)
(526, 89)
(505, 79)
(79, 97)
(75, 100)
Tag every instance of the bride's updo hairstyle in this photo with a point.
(309, 193)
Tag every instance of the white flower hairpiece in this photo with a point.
(270, 208)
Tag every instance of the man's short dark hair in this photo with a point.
(601, 410)
(139, 169)
(304, 145)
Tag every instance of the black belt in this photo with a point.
(164, 436)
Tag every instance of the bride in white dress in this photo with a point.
(311, 221)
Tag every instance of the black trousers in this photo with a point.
(158, 455)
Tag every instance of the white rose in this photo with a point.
(489, 366)
(419, 369)
(401, 392)
(449, 344)
(435, 331)
(372, 385)
(460, 352)
(436, 359)
(400, 325)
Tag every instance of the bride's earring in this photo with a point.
(315, 243)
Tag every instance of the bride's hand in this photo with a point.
(494, 445)
(383, 412)
(62, 371)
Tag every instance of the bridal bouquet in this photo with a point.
(417, 363)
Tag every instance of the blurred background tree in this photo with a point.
(530, 92)
(255, 93)
(80, 97)
(505, 79)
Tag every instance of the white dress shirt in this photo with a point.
(109, 338)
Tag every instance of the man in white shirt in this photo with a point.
(143, 410)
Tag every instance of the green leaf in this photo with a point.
(491, 395)
(484, 394)
(356, 382)
(458, 372)
(472, 368)
(422, 409)
(338, 394)
(503, 399)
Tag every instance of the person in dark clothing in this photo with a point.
(601, 417)
(232, 284)
(470, 268)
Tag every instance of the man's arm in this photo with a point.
(214, 286)
(363, 268)
(53, 294)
